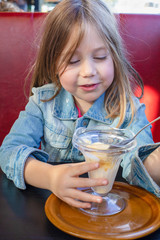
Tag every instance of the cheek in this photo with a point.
(67, 81)
(63, 81)
(108, 74)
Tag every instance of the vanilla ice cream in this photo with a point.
(108, 165)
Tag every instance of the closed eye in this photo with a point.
(74, 62)
(100, 58)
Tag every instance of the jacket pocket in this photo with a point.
(57, 135)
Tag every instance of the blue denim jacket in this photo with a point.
(51, 124)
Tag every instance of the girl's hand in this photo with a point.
(152, 164)
(64, 181)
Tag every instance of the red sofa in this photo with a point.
(18, 31)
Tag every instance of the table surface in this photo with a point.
(22, 215)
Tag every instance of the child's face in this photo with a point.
(90, 71)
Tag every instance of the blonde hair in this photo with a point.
(59, 25)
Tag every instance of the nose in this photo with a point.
(88, 68)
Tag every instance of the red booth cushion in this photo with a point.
(141, 34)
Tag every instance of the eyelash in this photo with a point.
(74, 62)
(100, 58)
(95, 58)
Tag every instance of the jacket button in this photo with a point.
(85, 123)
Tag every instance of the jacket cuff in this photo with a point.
(21, 154)
(139, 175)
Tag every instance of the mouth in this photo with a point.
(89, 87)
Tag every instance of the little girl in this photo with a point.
(81, 78)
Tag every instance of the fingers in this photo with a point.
(81, 199)
(85, 197)
(81, 168)
(68, 180)
(88, 182)
(74, 196)
(77, 204)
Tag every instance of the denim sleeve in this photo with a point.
(22, 141)
(133, 168)
(139, 175)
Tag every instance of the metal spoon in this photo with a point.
(124, 142)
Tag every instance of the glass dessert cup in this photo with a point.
(104, 146)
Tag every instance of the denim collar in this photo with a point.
(64, 108)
